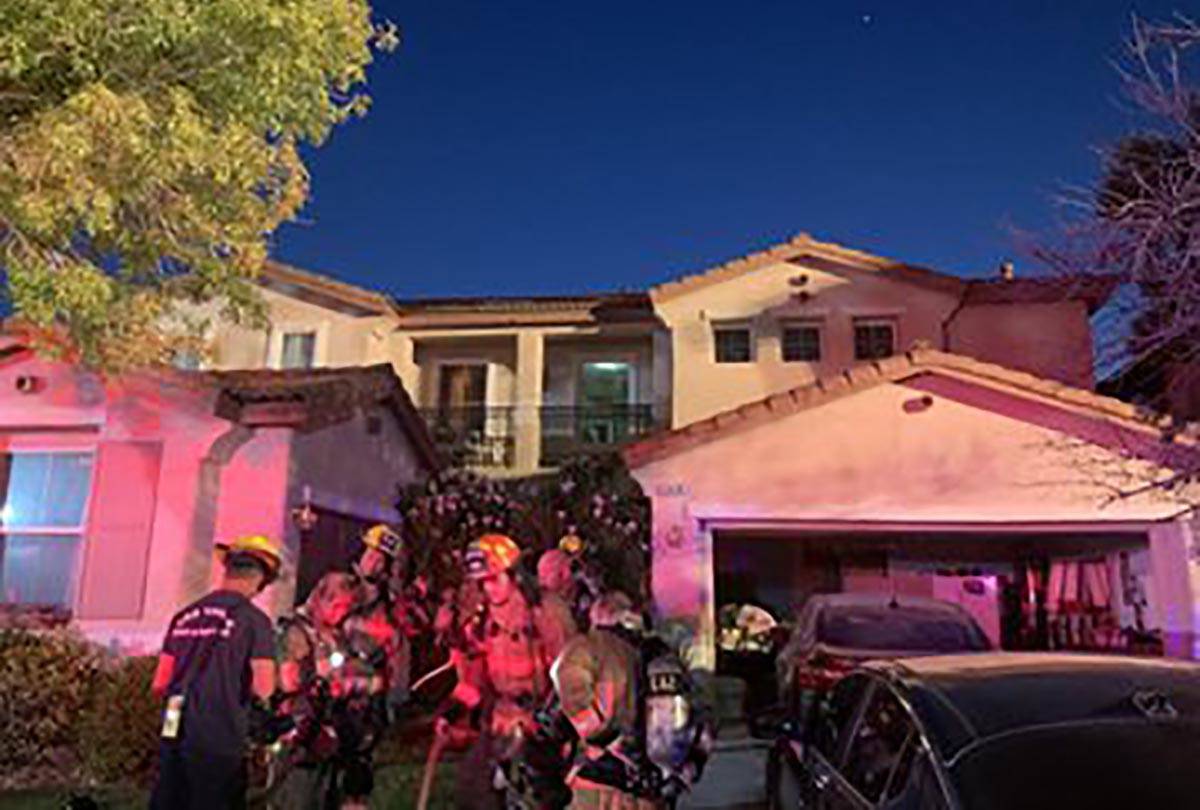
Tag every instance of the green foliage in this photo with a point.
(72, 713)
(147, 150)
(118, 732)
(46, 683)
(593, 497)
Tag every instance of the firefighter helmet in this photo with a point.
(490, 555)
(384, 539)
(570, 544)
(258, 547)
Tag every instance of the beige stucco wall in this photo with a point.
(1052, 340)
(764, 298)
(864, 458)
(341, 339)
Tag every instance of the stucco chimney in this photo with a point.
(1006, 270)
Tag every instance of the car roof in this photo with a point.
(965, 698)
(881, 600)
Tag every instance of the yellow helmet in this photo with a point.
(261, 548)
(571, 544)
(489, 555)
(383, 538)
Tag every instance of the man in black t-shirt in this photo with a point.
(218, 655)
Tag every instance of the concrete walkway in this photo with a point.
(734, 778)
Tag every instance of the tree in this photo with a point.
(1145, 212)
(1141, 222)
(148, 148)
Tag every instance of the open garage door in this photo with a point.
(1058, 589)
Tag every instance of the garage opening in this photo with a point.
(1055, 590)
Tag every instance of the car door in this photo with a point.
(827, 732)
(878, 758)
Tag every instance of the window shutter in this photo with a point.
(117, 541)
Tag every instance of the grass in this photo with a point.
(396, 788)
(400, 762)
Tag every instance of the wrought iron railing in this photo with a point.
(473, 435)
(572, 430)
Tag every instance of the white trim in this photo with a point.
(319, 331)
(724, 522)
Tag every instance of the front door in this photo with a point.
(605, 391)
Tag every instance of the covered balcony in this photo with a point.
(522, 400)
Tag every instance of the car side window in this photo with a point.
(878, 746)
(914, 784)
(832, 713)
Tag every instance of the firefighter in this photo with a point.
(335, 679)
(384, 611)
(641, 742)
(217, 658)
(503, 665)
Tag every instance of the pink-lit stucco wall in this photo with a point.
(867, 459)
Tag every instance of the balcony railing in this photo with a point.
(568, 431)
(485, 436)
(476, 436)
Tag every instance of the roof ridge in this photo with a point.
(792, 248)
(831, 387)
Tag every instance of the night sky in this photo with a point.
(524, 147)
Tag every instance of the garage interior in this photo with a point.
(1056, 588)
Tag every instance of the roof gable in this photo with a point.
(935, 372)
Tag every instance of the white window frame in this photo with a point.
(85, 515)
(319, 331)
(729, 326)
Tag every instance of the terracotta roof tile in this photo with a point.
(893, 369)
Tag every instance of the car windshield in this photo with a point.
(898, 629)
(1110, 764)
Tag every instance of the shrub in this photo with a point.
(46, 682)
(118, 732)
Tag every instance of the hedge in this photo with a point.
(72, 713)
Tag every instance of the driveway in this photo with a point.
(734, 778)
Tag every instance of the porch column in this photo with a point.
(404, 361)
(662, 376)
(528, 400)
(1175, 586)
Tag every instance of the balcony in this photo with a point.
(484, 437)
(474, 436)
(571, 431)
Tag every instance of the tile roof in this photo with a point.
(292, 279)
(1095, 290)
(627, 307)
(328, 396)
(890, 370)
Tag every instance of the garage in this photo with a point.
(932, 474)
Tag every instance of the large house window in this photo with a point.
(801, 343)
(44, 498)
(298, 350)
(733, 344)
(874, 339)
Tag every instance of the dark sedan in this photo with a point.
(834, 633)
(998, 731)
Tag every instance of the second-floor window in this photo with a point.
(801, 343)
(298, 350)
(874, 339)
(733, 344)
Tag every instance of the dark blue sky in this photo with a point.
(574, 145)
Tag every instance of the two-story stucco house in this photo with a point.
(511, 385)
(804, 418)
